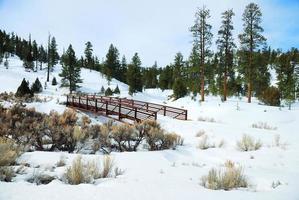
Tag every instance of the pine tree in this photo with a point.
(102, 90)
(54, 81)
(179, 89)
(134, 78)
(88, 55)
(202, 34)
(36, 86)
(42, 56)
(112, 64)
(250, 40)
(108, 92)
(123, 70)
(116, 90)
(53, 56)
(226, 47)
(71, 71)
(193, 70)
(24, 90)
(35, 53)
(178, 65)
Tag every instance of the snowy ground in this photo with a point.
(170, 174)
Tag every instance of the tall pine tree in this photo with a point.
(202, 34)
(71, 70)
(134, 78)
(250, 40)
(226, 46)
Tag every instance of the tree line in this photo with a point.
(227, 71)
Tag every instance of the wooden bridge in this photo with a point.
(124, 108)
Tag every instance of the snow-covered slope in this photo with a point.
(172, 174)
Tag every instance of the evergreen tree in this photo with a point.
(24, 90)
(42, 56)
(202, 34)
(178, 65)
(116, 90)
(226, 46)
(112, 64)
(53, 56)
(179, 89)
(54, 81)
(193, 74)
(123, 70)
(108, 92)
(36, 86)
(88, 55)
(35, 53)
(250, 40)
(134, 78)
(102, 90)
(71, 71)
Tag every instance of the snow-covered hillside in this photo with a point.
(171, 174)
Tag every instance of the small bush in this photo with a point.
(271, 96)
(75, 174)
(247, 143)
(40, 179)
(206, 119)
(6, 174)
(9, 151)
(87, 173)
(200, 133)
(108, 164)
(230, 178)
(61, 162)
(204, 143)
(263, 125)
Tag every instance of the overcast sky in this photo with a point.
(156, 29)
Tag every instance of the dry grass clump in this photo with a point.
(61, 162)
(263, 125)
(200, 133)
(206, 119)
(247, 143)
(204, 143)
(9, 151)
(80, 172)
(230, 177)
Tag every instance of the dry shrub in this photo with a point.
(263, 125)
(75, 173)
(6, 174)
(200, 133)
(206, 119)
(61, 162)
(78, 134)
(125, 137)
(225, 179)
(40, 178)
(247, 143)
(87, 173)
(221, 143)
(204, 143)
(9, 151)
(108, 164)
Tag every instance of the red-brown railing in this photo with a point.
(108, 107)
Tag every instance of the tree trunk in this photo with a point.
(225, 86)
(202, 91)
(249, 92)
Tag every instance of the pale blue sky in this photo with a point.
(156, 29)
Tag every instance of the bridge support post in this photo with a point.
(186, 115)
(96, 104)
(72, 100)
(106, 108)
(164, 110)
(79, 101)
(67, 100)
(87, 102)
(135, 115)
(119, 111)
